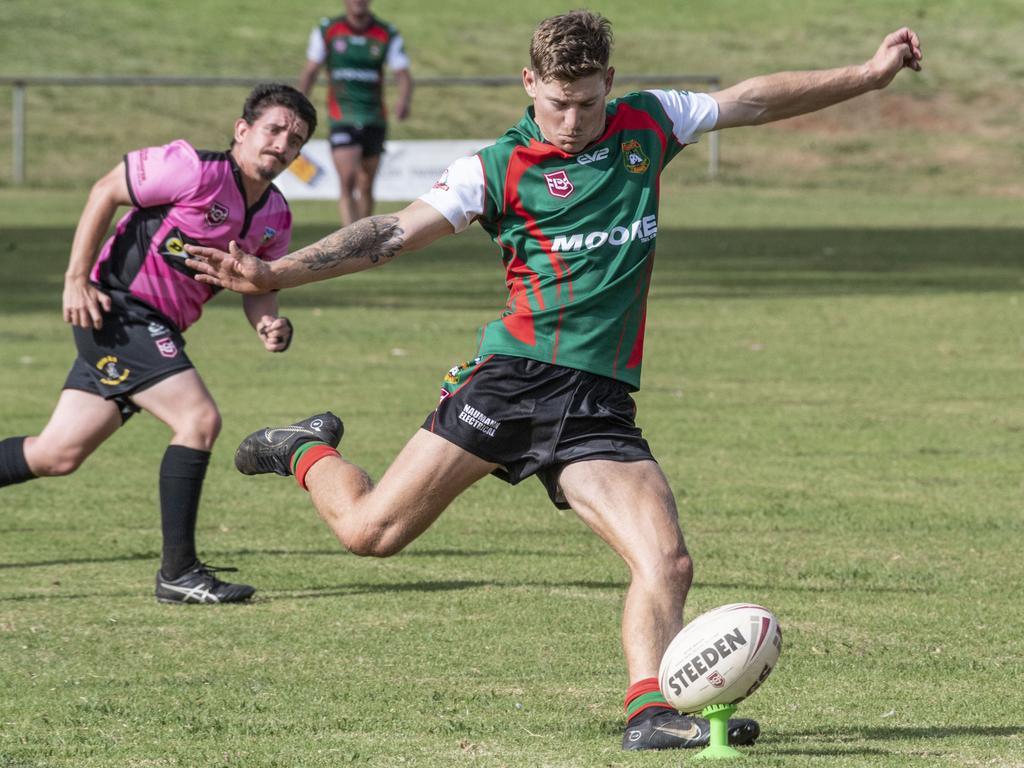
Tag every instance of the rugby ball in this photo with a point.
(720, 657)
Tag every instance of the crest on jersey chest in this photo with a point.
(559, 184)
(216, 214)
(633, 157)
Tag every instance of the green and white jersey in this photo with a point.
(577, 233)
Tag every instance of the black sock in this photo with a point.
(13, 466)
(181, 483)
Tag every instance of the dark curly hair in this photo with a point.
(266, 95)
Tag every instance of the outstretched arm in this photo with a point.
(787, 94)
(404, 79)
(361, 245)
(307, 77)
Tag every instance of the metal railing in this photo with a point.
(20, 85)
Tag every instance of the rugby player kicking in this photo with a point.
(570, 195)
(129, 307)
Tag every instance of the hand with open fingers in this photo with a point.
(235, 270)
(84, 304)
(275, 333)
(899, 50)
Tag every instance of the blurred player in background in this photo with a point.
(129, 307)
(355, 49)
(570, 195)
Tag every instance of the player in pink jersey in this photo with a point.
(512, 413)
(128, 313)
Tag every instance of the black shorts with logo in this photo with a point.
(369, 137)
(136, 347)
(534, 418)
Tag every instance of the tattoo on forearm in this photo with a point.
(378, 238)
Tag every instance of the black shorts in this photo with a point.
(369, 137)
(136, 347)
(533, 418)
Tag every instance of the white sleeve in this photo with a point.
(459, 194)
(691, 113)
(315, 49)
(397, 58)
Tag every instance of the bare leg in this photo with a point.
(379, 521)
(364, 185)
(630, 506)
(347, 162)
(183, 403)
(80, 422)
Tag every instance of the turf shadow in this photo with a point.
(902, 733)
(829, 751)
(825, 590)
(308, 593)
(82, 561)
(156, 556)
(342, 590)
(466, 272)
(332, 552)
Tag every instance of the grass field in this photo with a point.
(832, 384)
(838, 410)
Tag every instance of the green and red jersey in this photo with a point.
(355, 60)
(577, 233)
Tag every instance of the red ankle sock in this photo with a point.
(306, 457)
(644, 695)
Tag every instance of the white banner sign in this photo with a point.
(407, 169)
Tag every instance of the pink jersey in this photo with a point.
(183, 196)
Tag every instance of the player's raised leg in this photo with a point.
(379, 521)
(183, 402)
(373, 520)
(631, 507)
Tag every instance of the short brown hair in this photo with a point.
(571, 46)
